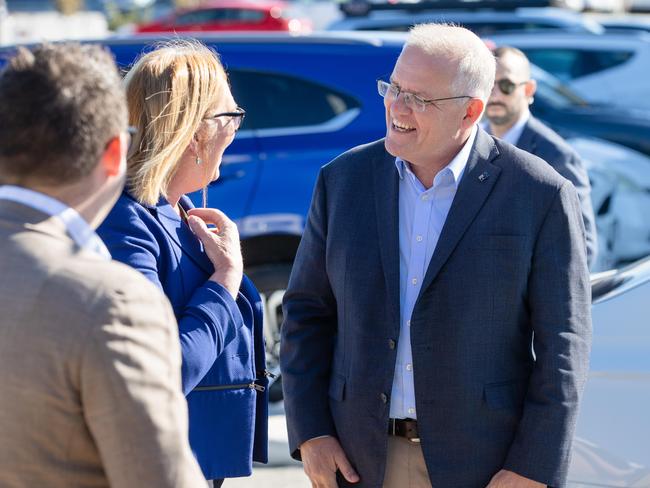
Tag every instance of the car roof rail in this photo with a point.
(360, 8)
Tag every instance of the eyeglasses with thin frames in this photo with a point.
(412, 101)
(236, 117)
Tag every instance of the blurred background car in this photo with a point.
(611, 448)
(620, 194)
(609, 68)
(483, 22)
(570, 115)
(229, 15)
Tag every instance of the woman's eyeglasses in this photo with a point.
(236, 117)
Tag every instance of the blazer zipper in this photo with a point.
(253, 386)
(267, 374)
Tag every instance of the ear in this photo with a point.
(473, 112)
(530, 88)
(113, 156)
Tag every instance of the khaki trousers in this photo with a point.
(405, 466)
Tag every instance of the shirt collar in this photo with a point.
(78, 229)
(456, 166)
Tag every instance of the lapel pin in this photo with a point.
(483, 176)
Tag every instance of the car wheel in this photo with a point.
(271, 281)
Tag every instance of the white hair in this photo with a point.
(476, 64)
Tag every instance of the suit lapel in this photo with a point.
(478, 180)
(181, 234)
(387, 213)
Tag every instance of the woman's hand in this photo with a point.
(221, 245)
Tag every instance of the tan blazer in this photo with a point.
(90, 389)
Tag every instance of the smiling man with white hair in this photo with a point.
(430, 262)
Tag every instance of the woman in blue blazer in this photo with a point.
(185, 116)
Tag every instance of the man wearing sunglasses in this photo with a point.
(430, 262)
(510, 119)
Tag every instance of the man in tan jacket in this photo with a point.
(90, 390)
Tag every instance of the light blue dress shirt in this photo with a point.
(77, 228)
(422, 215)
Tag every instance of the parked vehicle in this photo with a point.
(484, 22)
(571, 115)
(611, 448)
(229, 15)
(610, 68)
(620, 194)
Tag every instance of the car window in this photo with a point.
(246, 15)
(274, 100)
(568, 64)
(202, 16)
(553, 92)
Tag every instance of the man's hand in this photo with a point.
(508, 479)
(321, 457)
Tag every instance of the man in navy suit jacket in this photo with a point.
(430, 262)
(510, 119)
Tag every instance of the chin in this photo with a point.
(394, 149)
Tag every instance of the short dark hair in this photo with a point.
(59, 107)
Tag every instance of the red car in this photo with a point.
(229, 15)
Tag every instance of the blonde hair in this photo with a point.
(169, 91)
(476, 64)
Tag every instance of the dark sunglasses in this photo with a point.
(507, 86)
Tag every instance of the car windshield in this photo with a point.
(617, 281)
(554, 91)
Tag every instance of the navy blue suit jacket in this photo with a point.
(510, 265)
(221, 339)
(543, 142)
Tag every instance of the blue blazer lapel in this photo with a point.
(477, 183)
(386, 180)
(181, 234)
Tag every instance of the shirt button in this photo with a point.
(391, 344)
(414, 281)
(411, 410)
(409, 367)
(384, 398)
(418, 238)
(425, 198)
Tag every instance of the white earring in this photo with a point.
(198, 160)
